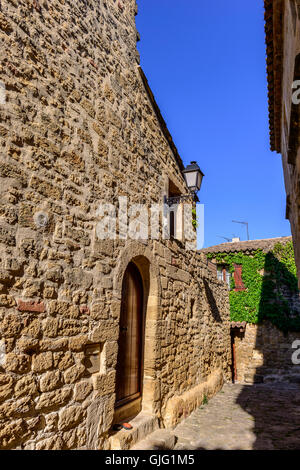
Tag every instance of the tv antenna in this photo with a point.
(225, 238)
(243, 223)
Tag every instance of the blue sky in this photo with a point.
(206, 64)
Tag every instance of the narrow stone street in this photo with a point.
(245, 417)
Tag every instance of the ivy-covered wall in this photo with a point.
(271, 286)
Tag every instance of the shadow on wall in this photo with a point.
(257, 416)
(212, 302)
(279, 301)
(273, 402)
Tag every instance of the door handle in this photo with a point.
(123, 328)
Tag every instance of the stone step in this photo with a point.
(162, 439)
(143, 425)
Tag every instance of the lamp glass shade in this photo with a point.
(193, 177)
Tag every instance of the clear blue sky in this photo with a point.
(205, 62)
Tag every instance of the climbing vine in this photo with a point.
(195, 222)
(270, 280)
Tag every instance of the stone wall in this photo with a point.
(77, 128)
(290, 130)
(264, 354)
(283, 68)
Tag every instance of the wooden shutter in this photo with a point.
(239, 285)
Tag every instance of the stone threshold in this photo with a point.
(143, 424)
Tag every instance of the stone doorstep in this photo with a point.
(161, 439)
(143, 425)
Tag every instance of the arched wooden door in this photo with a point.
(129, 365)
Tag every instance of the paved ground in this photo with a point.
(261, 416)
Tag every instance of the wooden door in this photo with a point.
(129, 365)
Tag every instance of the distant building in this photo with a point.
(283, 69)
(264, 307)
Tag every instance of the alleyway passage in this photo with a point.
(262, 416)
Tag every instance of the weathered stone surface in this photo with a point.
(104, 384)
(53, 345)
(104, 332)
(282, 27)
(33, 329)
(63, 360)
(18, 363)
(26, 386)
(100, 312)
(182, 405)
(52, 443)
(42, 362)
(16, 408)
(72, 374)
(80, 127)
(53, 399)
(11, 325)
(263, 353)
(63, 308)
(70, 417)
(51, 422)
(7, 301)
(77, 343)
(50, 327)
(10, 433)
(82, 390)
(29, 345)
(50, 381)
(6, 386)
(111, 353)
(71, 328)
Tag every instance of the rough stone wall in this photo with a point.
(264, 354)
(289, 130)
(76, 129)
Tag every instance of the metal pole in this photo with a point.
(243, 223)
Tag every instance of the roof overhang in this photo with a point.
(274, 15)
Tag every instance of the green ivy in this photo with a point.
(195, 222)
(269, 279)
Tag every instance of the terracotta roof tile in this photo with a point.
(249, 245)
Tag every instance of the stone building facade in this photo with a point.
(283, 68)
(79, 126)
(262, 352)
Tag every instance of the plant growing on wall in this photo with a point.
(195, 222)
(270, 283)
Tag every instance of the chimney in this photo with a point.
(235, 240)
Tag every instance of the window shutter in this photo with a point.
(239, 285)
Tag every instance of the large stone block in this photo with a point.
(42, 362)
(50, 381)
(6, 386)
(26, 386)
(72, 374)
(70, 417)
(104, 384)
(82, 390)
(53, 399)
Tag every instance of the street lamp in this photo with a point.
(193, 177)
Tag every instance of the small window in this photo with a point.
(172, 224)
(224, 274)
